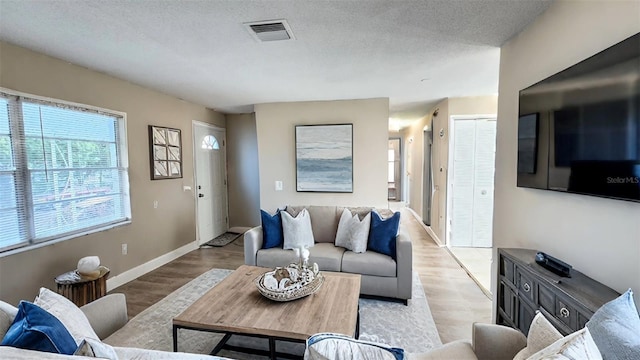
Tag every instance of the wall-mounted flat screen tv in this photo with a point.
(579, 130)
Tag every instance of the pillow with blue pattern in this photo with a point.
(615, 328)
(340, 347)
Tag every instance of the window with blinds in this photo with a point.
(63, 171)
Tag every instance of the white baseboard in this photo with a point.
(434, 236)
(427, 228)
(150, 265)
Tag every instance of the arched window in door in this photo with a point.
(210, 143)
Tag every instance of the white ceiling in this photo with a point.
(413, 52)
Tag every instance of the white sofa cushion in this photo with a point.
(297, 231)
(143, 354)
(324, 223)
(327, 256)
(369, 263)
(68, 313)
(353, 233)
(11, 353)
(271, 258)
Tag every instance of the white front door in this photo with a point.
(211, 181)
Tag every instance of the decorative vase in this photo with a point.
(88, 265)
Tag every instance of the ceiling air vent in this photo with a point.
(272, 30)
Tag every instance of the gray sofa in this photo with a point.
(381, 274)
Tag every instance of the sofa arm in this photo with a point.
(496, 342)
(252, 243)
(404, 263)
(107, 314)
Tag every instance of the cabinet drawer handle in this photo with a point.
(564, 312)
(526, 287)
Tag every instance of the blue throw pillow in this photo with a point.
(36, 329)
(615, 328)
(382, 235)
(271, 230)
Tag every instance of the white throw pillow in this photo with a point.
(68, 313)
(328, 346)
(576, 346)
(541, 334)
(297, 231)
(96, 349)
(353, 233)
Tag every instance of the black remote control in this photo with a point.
(554, 265)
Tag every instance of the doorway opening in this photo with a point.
(427, 175)
(210, 167)
(470, 182)
(394, 161)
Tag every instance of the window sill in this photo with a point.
(61, 239)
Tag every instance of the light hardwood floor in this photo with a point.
(454, 298)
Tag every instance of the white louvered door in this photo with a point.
(472, 183)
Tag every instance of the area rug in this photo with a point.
(223, 239)
(409, 327)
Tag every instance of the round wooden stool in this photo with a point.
(81, 289)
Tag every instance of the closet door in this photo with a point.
(462, 191)
(484, 169)
(472, 183)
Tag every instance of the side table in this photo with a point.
(81, 289)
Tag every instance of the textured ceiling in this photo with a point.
(413, 52)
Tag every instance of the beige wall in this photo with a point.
(242, 170)
(153, 232)
(599, 237)
(479, 105)
(276, 150)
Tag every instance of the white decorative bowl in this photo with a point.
(300, 282)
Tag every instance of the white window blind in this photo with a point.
(63, 171)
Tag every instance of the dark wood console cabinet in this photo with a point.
(525, 287)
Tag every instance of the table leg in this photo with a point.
(357, 334)
(272, 348)
(221, 344)
(175, 338)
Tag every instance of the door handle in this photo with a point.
(200, 195)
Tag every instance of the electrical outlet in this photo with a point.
(124, 249)
(278, 185)
(155, 204)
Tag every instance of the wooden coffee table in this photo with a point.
(235, 307)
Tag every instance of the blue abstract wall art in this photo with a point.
(324, 158)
